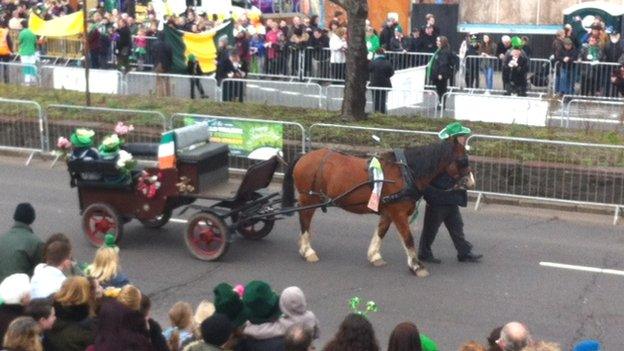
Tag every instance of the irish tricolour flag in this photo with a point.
(166, 151)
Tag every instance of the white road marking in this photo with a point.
(582, 268)
(178, 220)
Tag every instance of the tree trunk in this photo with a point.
(354, 102)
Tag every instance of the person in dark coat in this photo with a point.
(473, 63)
(20, 248)
(428, 40)
(380, 72)
(121, 324)
(440, 67)
(617, 79)
(231, 68)
(387, 33)
(162, 54)
(565, 74)
(123, 48)
(74, 328)
(194, 69)
(443, 207)
(515, 69)
(14, 296)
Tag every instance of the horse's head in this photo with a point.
(459, 167)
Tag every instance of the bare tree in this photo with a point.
(354, 102)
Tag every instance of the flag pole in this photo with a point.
(85, 52)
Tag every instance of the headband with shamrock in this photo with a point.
(354, 304)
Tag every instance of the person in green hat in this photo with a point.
(515, 69)
(109, 151)
(82, 149)
(194, 69)
(443, 203)
(227, 302)
(263, 310)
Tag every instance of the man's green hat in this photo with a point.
(227, 302)
(427, 344)
(110, 145)
(261, 302)
(82, 137)
(452, 130)
(516, 43)
(191, 58)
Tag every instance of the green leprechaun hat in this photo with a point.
(516, 43)
(110, 146)
(227, 302)
(82, 138)
(454, 129)
(261, 302)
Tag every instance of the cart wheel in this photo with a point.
(100, 219)
(253, 230)
(159, 221)
(206, 236)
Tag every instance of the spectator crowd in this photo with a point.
(49, 302)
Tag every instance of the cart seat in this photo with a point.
(257, 177)
(142, 149)
(103, 168)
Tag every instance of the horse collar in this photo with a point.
(409, 189)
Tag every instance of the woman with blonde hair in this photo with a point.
(121, 322)
(74, 327)
(106, 268)
(23, 334)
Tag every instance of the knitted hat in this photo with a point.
(427, 343)
(261, 301)
(110, 145)
(13, 288)
(24, 213)
(516, 43)
(587, 345)
(228, 302)
(216, 329)
(82, 137)
(453, 129)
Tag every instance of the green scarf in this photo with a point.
(431, 63)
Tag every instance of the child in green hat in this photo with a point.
(82, 149)
(110, 150)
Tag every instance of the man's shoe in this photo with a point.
(469, 257)
(430, 259)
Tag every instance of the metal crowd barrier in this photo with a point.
(63, 119)
(13, 73)
(47, 79)
(276, 93)
(23, 126)
(363, 140)
(523, 113)
(404, 60)
(547, 170)
(486, 72)
(287, 62)
(584, 113)
(585, 79)
(426, 106)
(161, 85)
(293, 142)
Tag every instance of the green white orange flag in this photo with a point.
(166, 151)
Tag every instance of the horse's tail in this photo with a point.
(288, 185)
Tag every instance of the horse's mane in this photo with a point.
(424, 160)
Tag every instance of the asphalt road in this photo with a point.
(458, 302)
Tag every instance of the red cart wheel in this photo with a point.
(207, 236)
(100, 219)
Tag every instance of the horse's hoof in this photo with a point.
(379, 262)
(422, 273)
(312, 258)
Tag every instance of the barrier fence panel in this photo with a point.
(19, 73)
(183, 86)
(321, 66)
(576, 173)
(486, 72)
(73, 78)
(582, 113)
(363, 141)
(293, 139)
(65, 48)
(403, 60)
(63, 119)
(279, 62)
(585, 79)
(22, 126)
(275, 93)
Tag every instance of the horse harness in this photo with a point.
(409, 191)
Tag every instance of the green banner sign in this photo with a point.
(247, 139)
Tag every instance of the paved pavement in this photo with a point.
(459, 301)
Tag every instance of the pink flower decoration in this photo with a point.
(240, 290)
(122, 129)
(63, 143)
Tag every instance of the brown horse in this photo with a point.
(325, 174)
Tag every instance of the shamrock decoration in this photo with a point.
(354, 304)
